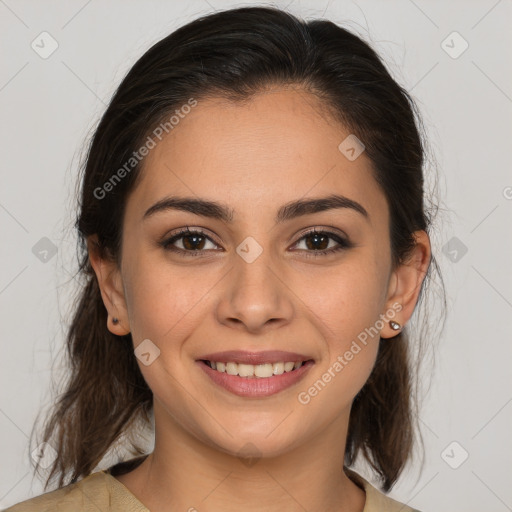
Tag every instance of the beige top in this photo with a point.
(102, 491)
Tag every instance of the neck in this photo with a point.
(184, 473)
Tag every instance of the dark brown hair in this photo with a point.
(235, 54)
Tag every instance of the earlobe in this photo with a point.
(405, 284)
(110, 283)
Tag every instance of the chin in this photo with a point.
(256, 440)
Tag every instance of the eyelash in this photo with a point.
(343, 243)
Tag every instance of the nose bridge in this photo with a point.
(254, 266)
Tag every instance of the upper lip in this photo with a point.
(244, 357)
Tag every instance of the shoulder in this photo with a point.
(98, 491)
(376, 501)
(86, 494)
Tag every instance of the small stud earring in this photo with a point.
(115, 321)
(394, 325)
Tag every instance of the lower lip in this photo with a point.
(256, 387)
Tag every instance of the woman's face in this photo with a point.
(256, 281)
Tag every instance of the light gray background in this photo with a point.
(49, 106)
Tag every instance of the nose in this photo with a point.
(257, 297)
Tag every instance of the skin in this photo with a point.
(255, 157)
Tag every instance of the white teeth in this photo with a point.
(246, 370)
(231, 368)
(288, 367)
(278, 368)
(255, 371)
(263, 370)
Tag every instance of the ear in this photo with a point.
(110, 283)
(405, 283)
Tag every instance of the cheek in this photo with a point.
(346, 316)
(165, 305)
(161, 298)
(345, 300)
(346, 303)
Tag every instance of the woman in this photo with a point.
(254, 242)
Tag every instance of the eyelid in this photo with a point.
(321, 229)
(188, 230)
(342, 243)
(339, 236)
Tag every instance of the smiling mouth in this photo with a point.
(254, 371)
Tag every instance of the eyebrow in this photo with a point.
(289, 211)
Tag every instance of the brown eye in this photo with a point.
(318, 243)
(191, 241)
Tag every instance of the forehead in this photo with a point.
(279, 146)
